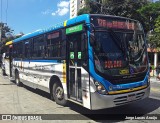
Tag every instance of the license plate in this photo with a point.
(131, 97)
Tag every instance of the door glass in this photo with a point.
(72, 82)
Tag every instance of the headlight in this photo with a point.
(100, 88)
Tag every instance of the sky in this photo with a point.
(30, 15)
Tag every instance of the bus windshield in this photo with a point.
(118, 53)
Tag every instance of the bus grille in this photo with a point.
(129, 80)
(127, 99)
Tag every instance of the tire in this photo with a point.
(58, 94)
(17, 79)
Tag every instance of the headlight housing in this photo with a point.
(100, 88)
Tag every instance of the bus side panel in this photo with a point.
(85, 89)
(27, 77)
(38, 74)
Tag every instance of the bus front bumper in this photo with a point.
(99, 101)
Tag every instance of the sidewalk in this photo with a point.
(154, 79)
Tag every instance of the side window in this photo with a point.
(55, 45)
(38, 47)
(63, 44)
(14, 50)
(27, 49)
(18, 50)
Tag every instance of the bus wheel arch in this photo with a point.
(57, 91)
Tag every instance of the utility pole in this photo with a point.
(0, 35)
(0, 32)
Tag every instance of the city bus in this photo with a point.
(7, 59)
(97, 61)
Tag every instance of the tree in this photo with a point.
(5, 31)
(90, 8)
(84, 10)
(149, 13)
(154, 38)
(125, 8)
(6, 34)
(157, 25)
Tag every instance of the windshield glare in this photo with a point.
(118, 53)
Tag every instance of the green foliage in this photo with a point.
(157, 25)
(154, 39)
(90, 8)
(149, 14)
(125, 8)
(84, 10)
(5, 30)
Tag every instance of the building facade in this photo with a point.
(75, 6)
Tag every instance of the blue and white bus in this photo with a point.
(97, 61)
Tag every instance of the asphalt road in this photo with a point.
(24, 100)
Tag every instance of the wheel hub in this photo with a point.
(59, 93)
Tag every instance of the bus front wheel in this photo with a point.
(58, 94)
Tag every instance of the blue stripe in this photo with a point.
(78, 19)
(39, 32)
(50, 61)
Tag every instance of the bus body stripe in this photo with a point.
(128, 90)
(52, 61)
(65, 23)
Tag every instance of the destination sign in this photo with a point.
(53, 35)
(73, 29)
(116, 23)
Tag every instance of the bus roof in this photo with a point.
(120, 17)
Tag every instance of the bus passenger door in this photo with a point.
(74, 67)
